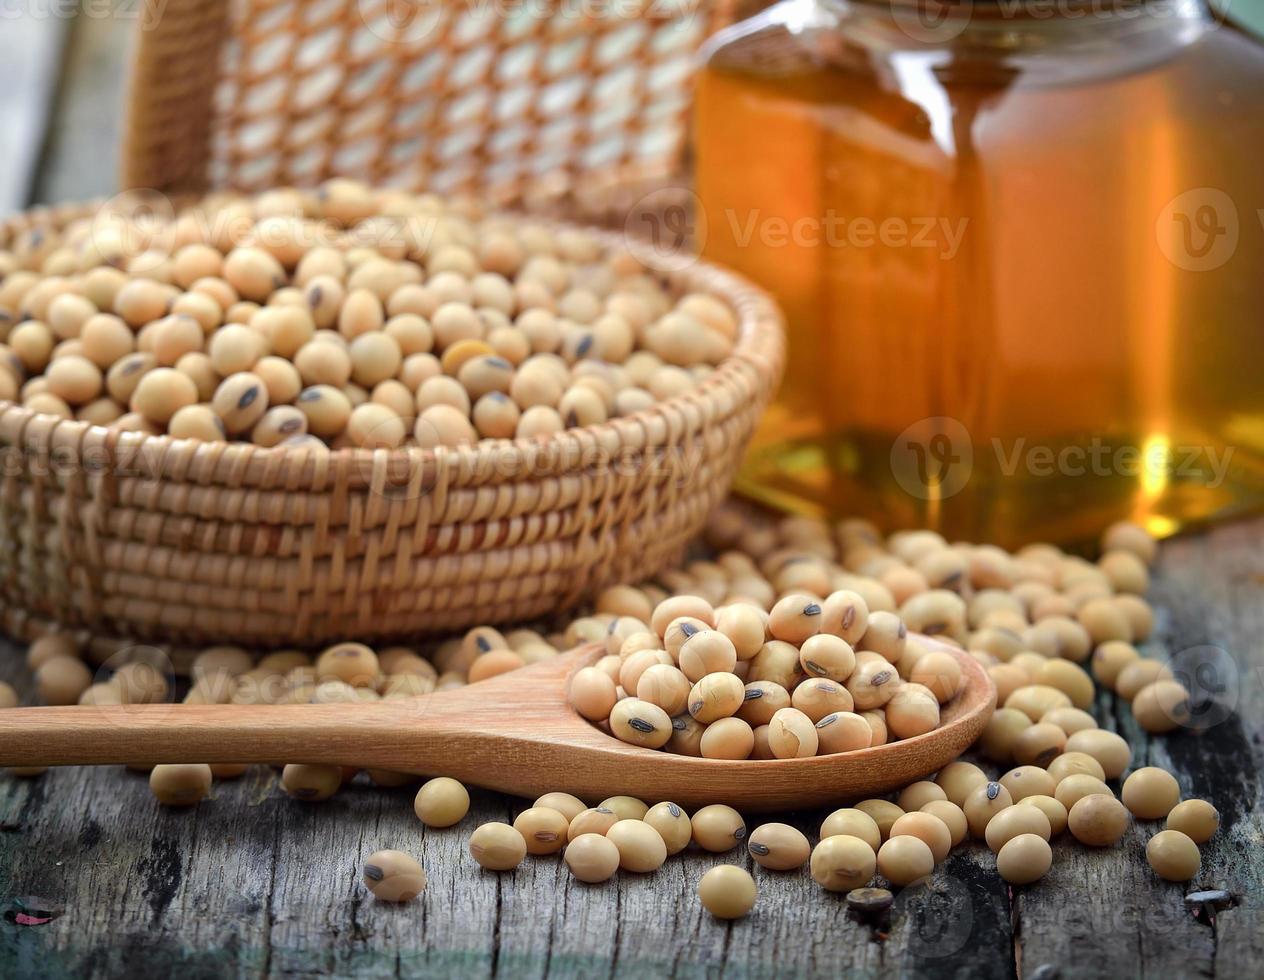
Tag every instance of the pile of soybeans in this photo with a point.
(786, 635)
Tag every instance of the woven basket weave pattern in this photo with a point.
(523, 102)
(186, 541)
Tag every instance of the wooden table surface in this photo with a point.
(252, 883)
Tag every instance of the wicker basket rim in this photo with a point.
(760, 346)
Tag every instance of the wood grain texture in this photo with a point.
(252, 883)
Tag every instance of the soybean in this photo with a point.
(1014, 822)
(794, 619)
(640, 723)
(592, 857)
(1054, 812)
(983, 803)
(1025, 781)
(593, 694)
(1173, 856)
(840, 863)
(625, 807)
(564, 803)
(497, 847)
(1151, 793)
(905, 860)
(311, 783)
(718, 828)
(673, 825)
(441, 802)
(952, 816)
(1110, 750)
(180, 785)
(594, 820)
(792, 735)
(393, 876)
(1196, 819)
(641, 847)
(843, 731)
(1073, 763)
(778, 846)
(1024, 858)
(1098, 820)
(928, 828)
(543, 830)
(715, 696)
(728, 738)
(727, 892)
(1161, 706)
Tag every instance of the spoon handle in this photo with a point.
(509, 731)
(337, 734)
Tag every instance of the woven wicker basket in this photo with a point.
(574, 106)
(185, 541)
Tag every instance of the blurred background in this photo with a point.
(63, 68)
(1098, 151)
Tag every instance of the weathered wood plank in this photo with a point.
(1214, 587)
(252, 883)
(1107, 907)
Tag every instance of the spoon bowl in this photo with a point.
(515, 733)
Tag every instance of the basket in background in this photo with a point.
(577, 107)
(184, 541)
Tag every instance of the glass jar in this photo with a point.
(1020, 245)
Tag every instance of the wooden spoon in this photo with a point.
(516, 733)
